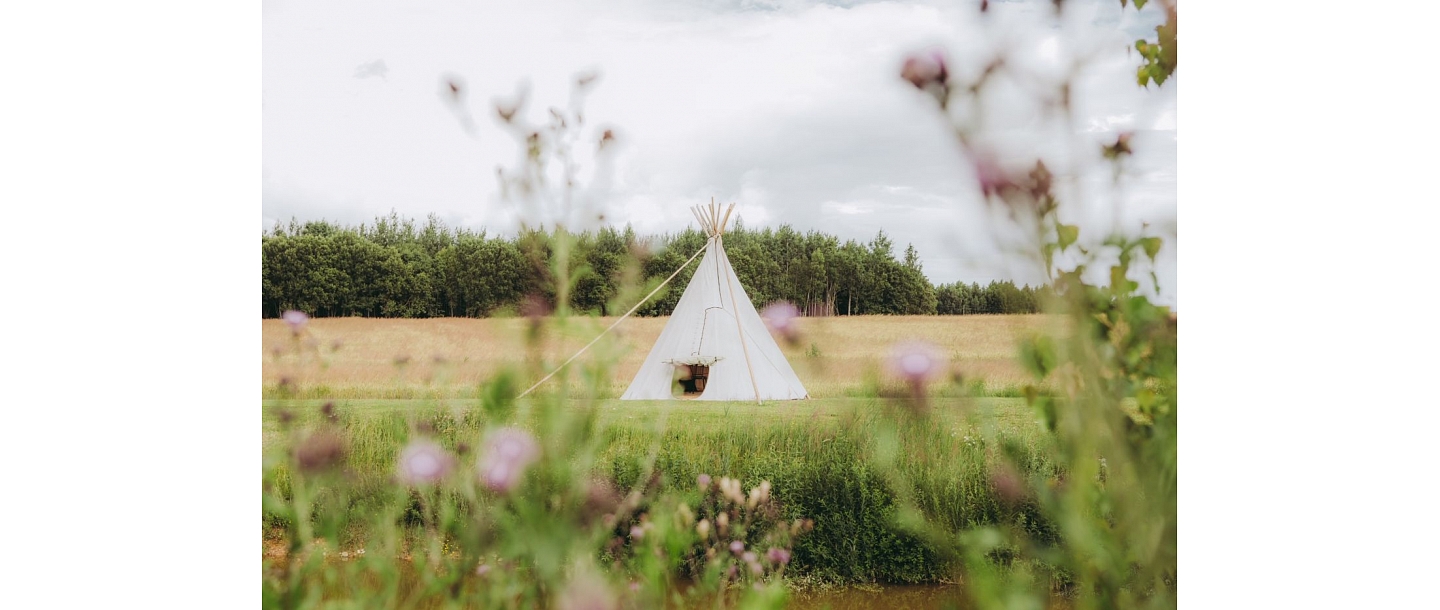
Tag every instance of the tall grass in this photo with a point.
(822, 469)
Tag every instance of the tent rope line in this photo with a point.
(618, 321)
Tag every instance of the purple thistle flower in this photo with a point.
(703, 481)
(423, 462)
(992, 178)
(778, 555)
(737, 547)
(915, 361)
(924, 69)
(296, 320)
(320, 451)
(637, 533)
(508, 451)
(783, 319)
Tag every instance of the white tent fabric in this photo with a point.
(702, 328)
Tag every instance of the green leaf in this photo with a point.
(1151, 246)
(1067, 234)
(1139, 4)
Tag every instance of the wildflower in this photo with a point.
(703, 529)
(637, 533)
(925, 69)
(423, 462)
(758, 495)
(748, 557)
(992, 178)
(482, 569)
(754, 566)
(737, 547)
(778, 555)
(915, 362)
(320, 451)
(703, 481)
(730, 488)
(783, 320)
(508, 451)
(296, 320)
(722, 522)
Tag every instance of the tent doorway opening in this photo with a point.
(693, 378)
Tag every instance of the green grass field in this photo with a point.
(818, 453)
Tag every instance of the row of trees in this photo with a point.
(396, 267)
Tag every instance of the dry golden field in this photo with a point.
(449, 357)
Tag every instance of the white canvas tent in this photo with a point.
(716, 325)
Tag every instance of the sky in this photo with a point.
(794, 110)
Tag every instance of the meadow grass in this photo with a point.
(388, 381)
(818, 454)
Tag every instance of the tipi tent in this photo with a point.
(715, 331)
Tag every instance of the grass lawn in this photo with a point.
(1008, 412)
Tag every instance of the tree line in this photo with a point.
(396, 267)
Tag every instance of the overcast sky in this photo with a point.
(792, 109)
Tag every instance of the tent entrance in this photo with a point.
(693, 378)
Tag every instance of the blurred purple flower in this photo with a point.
(782, 318)
(423, 462)
(508, 451)
(296, 320)
(737, 547)
(915, 361)
(778, 555)
(320, 451)
(749, 557)
(924, 68)
(637, 533)
(992, 178)
(703, 481)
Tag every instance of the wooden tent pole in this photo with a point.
(621, 319)
(696, 212)
(740, 330)
(726, 221)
